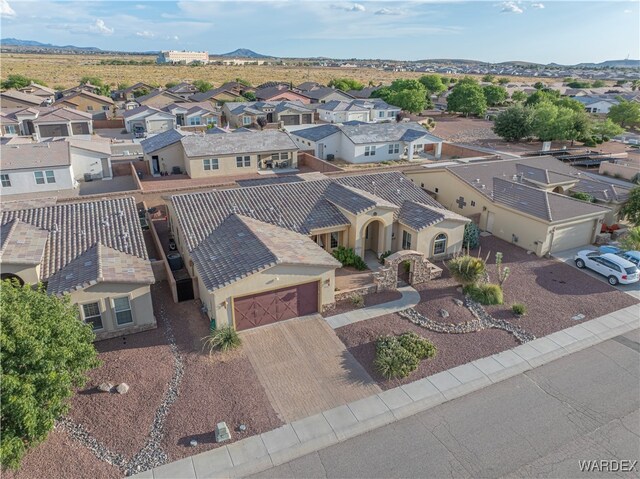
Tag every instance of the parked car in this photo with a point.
(609, 249)
(616, 269)
(138, 131)
(633, 256)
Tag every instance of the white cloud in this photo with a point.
(356, 7)
(5, 10)
(174, 37)
(145, 34)
(628, 11)
(101, 28)
(388, 11)
(140, 7)
(510, 7)
(539, 6)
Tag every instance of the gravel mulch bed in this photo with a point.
(552, 291)
(213, 389)
(440, 294)
(122, 422)
(453, 349)
(61, 457)
(369, 300)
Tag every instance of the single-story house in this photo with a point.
(46, 93)
(326, 94)
(132, 92)
(523, 201)
(379, 110)
(183, 89)
(336, 111)
(158, 98)
(43, 123)
(36, 167)
(261, 254)
(195, 114)
(595, 104)
(88, 87)
(219, 95)
(102, 265)
(368, 142)
(239, 114)
(280, 93)
(150, 119)
(86, 101)
(18, 99)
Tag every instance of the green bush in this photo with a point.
(357, 300)
(397, 357)
(348, 257)
(418, 346)
(579, 195)
(589, 142)
(471, 237)
(383, 256)
(485, 293)
(222, 339)
(519, 309)
(466, 269)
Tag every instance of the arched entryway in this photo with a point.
(373, 238)
(11, 277)
(419, 271)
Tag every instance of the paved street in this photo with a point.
(538, 424)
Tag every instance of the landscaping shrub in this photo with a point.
(348, 257)
(519, 309)
(589, 142)
(357, 300)
(397, 357)
(418, 346)
(466, 269)
(407, 266)
(631, 239)
(485, 293)
(471, 237)
(579, 195)
(503, 273)
(222, 339)
(383, 256)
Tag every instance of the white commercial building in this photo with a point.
(173, 56)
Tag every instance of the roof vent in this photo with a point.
(21, 241)
(477, 180)
(482, 187)
(515, 178)
(88, 263)
(129, 270)
(69, 276)
(241, 234)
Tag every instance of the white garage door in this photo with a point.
(579, 234)
(157, 126)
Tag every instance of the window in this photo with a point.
(394, 148)
(390, 114)
(275, 156)
(10, 129)
(51, 177)
(240, 161)
(89, 108)
(122, 308)
(284, 156)
(41, 176)
(335, 239)
(91, 315)
(212, 121)
(473, 203)
(105, 108)
(436, 190)
(6, 182)
(210, 164)
(369, 151)
(406, 240)
(194, 120)
(380, 114)
(440, 244)
(246, 120)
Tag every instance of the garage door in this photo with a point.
(573, 236)
(277, 305)
(290, 119)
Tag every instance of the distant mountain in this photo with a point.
(243, 53)
(612, 63)
(14, 42)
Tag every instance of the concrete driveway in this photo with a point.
(567, 256)
(304, 367)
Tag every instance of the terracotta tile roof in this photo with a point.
(21, 96)
(22, 243)
(75, 228)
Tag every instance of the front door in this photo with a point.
(490, 219)
(321, 151)
(155, 164)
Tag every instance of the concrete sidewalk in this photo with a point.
(410, 298)
(313, 433)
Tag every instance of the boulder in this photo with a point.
(443, 313)
(458, 302)
(122, 388)
(105, 387)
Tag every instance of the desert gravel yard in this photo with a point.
(552, 291)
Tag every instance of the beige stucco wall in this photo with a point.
(28, 273)
(426, 238)
(82, 104)
(220, 305)
(227, 164)
(103, 293)
(169, 157)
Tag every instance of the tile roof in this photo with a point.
(96, 146)
(104, 99)
(34, 155)
(146, 111)
(338, 105)
(316, 133)
(75, 228)
(417, 217)
(21, 96)
(271, 180)
(542, 175)
(161, 140)
(201, 96)
(380, 133)
(273, 92)
(602, 191)
(240, 143)
(45, 114)
(22, 243)
(323, 92)
(156, 93)
(241, 246)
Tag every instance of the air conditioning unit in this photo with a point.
(330, 157)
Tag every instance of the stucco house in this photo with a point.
(369, 142)
(261, 254)
(43, 123)
(158, 99)
(151, 120)
(183, 89)
(281, 92)
(523, 201)
(219, 96)
(595, 104)
(239, 114)
(132, 92)
(18, 99)
(86, 101)
(102, 265)
(192, 114)
(337, 111)
(46, 93)
(325, 94)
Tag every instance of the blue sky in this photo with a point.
(537, 31)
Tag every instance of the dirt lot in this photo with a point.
(222, 388)
(552, 291)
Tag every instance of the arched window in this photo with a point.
(440, 244)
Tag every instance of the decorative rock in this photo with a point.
(578, 317)
(222, 432)
(458, 302)
(105, 387)
(459, 289)
(443, 313)
(193, 443)
(122, 388)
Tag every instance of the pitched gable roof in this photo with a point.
(161, 140)
(22, 243)
(23, 97)
(35, 155)
(239, 143)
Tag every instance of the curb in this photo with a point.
(294, 440)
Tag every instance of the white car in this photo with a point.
(616, 269)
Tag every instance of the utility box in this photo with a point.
(222, 432)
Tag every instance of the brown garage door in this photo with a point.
(277, 305)
(290, 119)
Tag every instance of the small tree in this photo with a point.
(346, 84)
(170, 84)
(249, 96)
(519, 96)
(18, 81)
(607, 129)
(514, 123)
(203, 85)
(488, 78)
(471, 236)
(631, 208)
(503, 81)
(467, 98)
(631, 239)
(46, 352)
(626, 114)
(494, 94)
(433, 83)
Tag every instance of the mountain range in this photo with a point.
(30, 45)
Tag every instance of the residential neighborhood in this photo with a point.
(431, 273)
